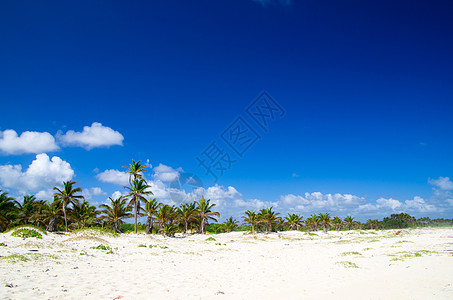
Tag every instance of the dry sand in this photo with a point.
(415, 264)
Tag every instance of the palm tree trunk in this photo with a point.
(202, 225)
(135, 216)
(52, 225)
(149, 227)
(65, 220)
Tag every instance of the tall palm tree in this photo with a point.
(8, 210)
(137, 193)
(250, 218)
(337, 223)
(205, 213)
(268, 218)
(187, 214)
(324, 220)
(150, 210)
(115, 212)
(349, 221)
(135, 169)
(294, 221)
(67, 195)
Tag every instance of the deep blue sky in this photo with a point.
(367, 88)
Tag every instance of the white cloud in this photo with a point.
(27, 142)
(166, 173)
(42, 174)
(253, 204)
(443, 183)
(418, 204)
(391, 203)
(114, 176)
(92, 137)
(316, 202)
(116, 194)
(94, 191)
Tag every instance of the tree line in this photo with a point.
(69, 210)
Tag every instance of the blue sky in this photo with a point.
(365, 87)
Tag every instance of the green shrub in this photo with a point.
(101, 247)
(39, 229)
(27, 233)
(210, 239)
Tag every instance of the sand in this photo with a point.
(415, 264)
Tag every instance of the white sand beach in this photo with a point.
(415, 264)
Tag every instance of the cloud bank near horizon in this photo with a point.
(44, 172)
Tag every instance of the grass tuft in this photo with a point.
(26, 233)
(348, 264)
(350, 253)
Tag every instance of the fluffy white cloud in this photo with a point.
(253, 204)
(316, 202)
(43, 173)
(91, 137)
(391, 203)
(114, 176)
(444, 183)
(27, 142)
(418, 204)
(116, 194)
(166, 173)
(89, 193)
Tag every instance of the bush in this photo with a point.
(38, 229)
(101, 247)
(27, 233)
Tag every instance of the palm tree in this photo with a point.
(49, 213)
(67, 195)
(294, 221)
(230, 224)
(27, 209)
(137, 193)
(166, 216)
(115, 213)
(135, 169)
(349, 221)
(82, 213)
(268, 218)
(150, 210)
(8, 210)
(187, 213)
(337, 223)
(372, 224)
(204, 212)
(251, 219)
(324, 220)
(312, 222)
